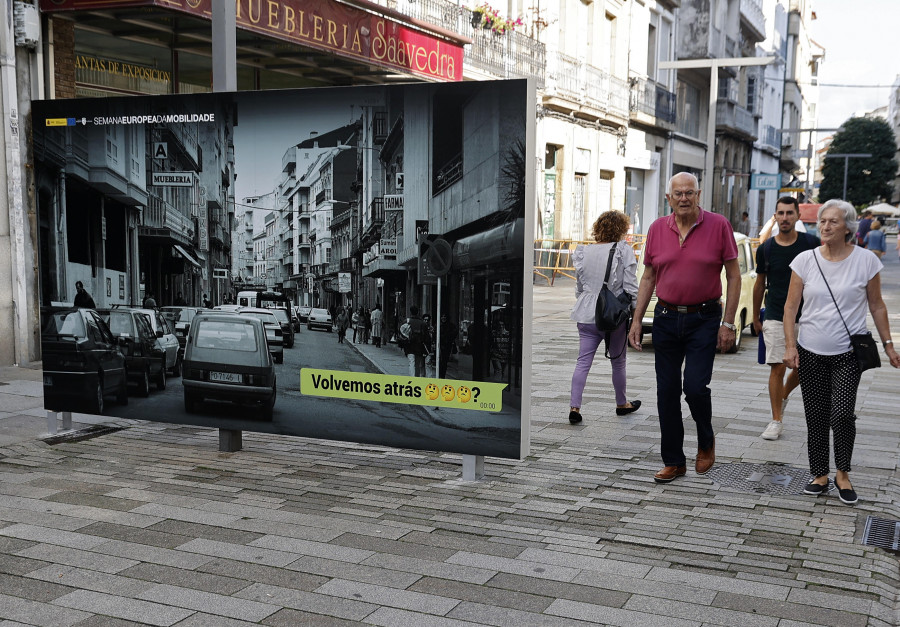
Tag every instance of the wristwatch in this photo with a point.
(886, 342)
(728, 325)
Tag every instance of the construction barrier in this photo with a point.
(553, 257)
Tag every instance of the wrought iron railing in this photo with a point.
(653, 99)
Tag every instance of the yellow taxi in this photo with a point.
(744, 316)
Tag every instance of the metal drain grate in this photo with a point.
(81, 434)
(883, 533)
(768, 478)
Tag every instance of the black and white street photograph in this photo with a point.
(225, 242)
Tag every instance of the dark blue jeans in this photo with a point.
(687, 339)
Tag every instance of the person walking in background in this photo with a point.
(207, 302)
(744, 225)
(342, 321)
(836, 282)
(773, 277)
(149, 301)
(83, 300)
(179, 299)
(377, 325)
(875, 239)
(865, 225)
(590, 266)
(683, 257)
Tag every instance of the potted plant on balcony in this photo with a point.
(486, 17)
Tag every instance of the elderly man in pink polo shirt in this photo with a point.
(683, 256)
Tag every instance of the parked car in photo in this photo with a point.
(181, 318)
(143, 355)
(82, 360)
(166, 338)
(743, 316)
(319, 318)
(287, 327)
(303, 312)
(274, 334)
(227, 358)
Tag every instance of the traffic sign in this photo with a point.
(435, 258)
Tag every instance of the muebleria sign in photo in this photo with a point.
(339, 263)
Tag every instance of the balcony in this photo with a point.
(573, 84)
(374, 222)
(770, 139)
(652, 104)
(448, 174)
(303, 240)
(341, 217)
(346, 264)
(752, 16)
(287, 259)
(162, 220)
(379, 127)
(736, 119)
(322, 196)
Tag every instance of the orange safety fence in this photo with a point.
(553, 257)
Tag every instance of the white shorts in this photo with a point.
(773, 335)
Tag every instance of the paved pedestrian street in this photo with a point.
(153, 525)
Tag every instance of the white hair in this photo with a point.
(848, 213)
(693, 178)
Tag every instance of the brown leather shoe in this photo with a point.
(706, 459)
(669, 473)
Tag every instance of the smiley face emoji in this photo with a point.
(448, 392)
(431, 391)
(463, 394)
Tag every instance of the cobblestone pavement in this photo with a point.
(153, 525)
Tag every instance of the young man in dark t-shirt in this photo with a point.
(773, 271)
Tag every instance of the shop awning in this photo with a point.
(186, 255)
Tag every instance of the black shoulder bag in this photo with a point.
(613, 310)
(864, 346)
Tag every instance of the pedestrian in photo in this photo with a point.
(377, 325)
(875, 239)
(83, 300)
(354, 322)
(449, 331)
(149, 302)
(837, 282)
(500, 339)
(343, 320)
(590, 263)
(773, 278)
(365, 321)
(207, 303)
(684, 254)
(179, 299)
(415, 342)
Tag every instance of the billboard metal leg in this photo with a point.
(53, 424)
(229, 440)
(473, 467)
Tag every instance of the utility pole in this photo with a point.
(713, 65)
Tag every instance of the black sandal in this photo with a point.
(574, 417)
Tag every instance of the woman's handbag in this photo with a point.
(864, 346)
(612, 309)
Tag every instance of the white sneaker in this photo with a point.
(773, 431)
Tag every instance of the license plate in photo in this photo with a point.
(226, 377)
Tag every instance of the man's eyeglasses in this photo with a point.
(688, 194)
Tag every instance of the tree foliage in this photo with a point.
(869, 179)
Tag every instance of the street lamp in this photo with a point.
(846, 156)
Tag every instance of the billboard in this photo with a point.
(173, 198)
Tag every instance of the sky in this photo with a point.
(861, 40)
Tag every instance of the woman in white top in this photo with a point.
(590, 265)
(829, 373)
